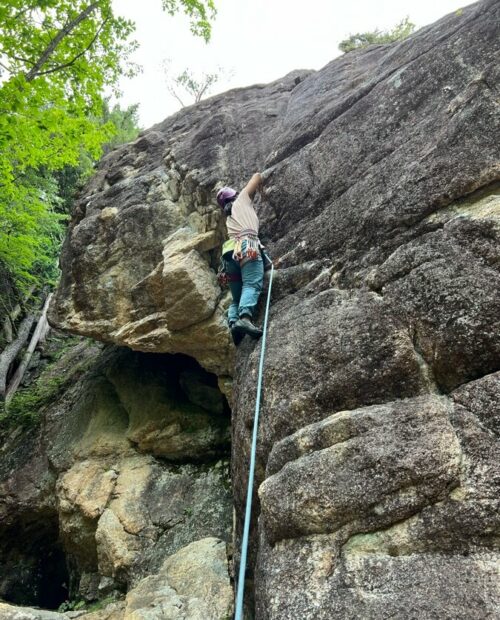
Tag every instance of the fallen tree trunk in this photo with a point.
(9, 324)
(40, 330)
(11, 351)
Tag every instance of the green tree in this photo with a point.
(125, 123)
(56, 58)
(360, 40)
(126, 128)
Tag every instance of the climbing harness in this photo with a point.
(223, 277)
(247, 245)
(248, 509)
(228, 246)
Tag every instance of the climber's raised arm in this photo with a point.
(254, 184)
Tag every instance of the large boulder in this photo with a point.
(192, 584)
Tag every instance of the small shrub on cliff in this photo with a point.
(363, 39)
(25, 408)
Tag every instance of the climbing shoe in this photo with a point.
(245, 326)
(236, 335)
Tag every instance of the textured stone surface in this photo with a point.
(84, 492)
(378, 449)
(138, 262)
(362, 469)
(375, 585)
(11, 612)
(192, 584)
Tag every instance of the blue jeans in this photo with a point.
(245, 290)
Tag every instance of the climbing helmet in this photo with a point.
(225, 194)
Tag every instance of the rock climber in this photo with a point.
(242, 258)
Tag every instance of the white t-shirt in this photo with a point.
(243, 216)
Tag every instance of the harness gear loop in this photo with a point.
(247, 245)
(248, 509)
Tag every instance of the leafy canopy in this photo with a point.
(362, 39)
(56, 59)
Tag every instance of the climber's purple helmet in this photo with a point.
(225, 194)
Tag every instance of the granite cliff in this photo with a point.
(378, 462)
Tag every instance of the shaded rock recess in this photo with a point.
(378, 463)
(125, 477)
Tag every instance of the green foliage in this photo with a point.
(200, 13)
(125, 123)
(30, 228)
(26, 406)
(57, 56)
(75, 605)
(70, 179)
(398, 33)
(56, 59)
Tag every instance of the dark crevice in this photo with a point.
(34, 570)
(426, 368)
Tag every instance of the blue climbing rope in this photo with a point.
(248, 510)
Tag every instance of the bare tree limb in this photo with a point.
(172, 92)
(51, 47)
(21, 369)
(10, 352)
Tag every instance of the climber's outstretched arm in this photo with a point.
(254, 184)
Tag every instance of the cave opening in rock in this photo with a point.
(167, 405)
(34, 569)
(185, 378)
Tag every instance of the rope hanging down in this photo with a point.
(248, 510)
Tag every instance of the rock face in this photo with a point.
(193, 584)
(377, 469)
(128, 468)
(138, 261)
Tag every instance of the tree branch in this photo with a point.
(202, 91)
(82, 53)
(5, 67)
(172, 92)
(26, 60)
(23, 11)
(21, 369)
(49, 50)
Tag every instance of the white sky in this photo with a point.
(258, 40)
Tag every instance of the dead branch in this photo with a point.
(11, 351)
(21, 369)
